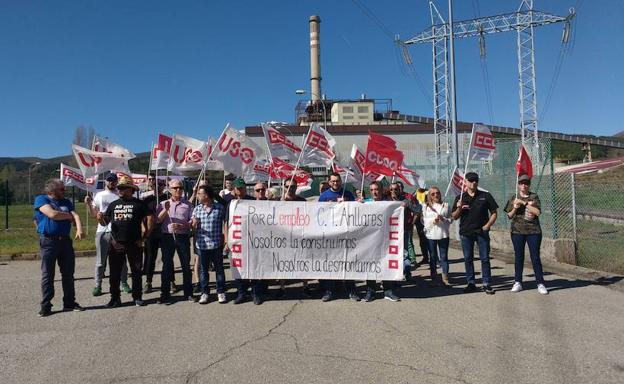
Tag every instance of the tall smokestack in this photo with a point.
(315, 58)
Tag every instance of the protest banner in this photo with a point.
(311, 240)
(382, 155)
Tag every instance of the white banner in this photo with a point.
(92, 163)
(310, 240)
(235, 151)
(187, 154)
(72, 177)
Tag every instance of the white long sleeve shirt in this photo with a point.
(439, 230)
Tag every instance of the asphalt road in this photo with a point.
(434, 335)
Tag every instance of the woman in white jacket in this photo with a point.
(437, 220)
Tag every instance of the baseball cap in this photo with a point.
(471, 176)
(111, 177)
(239, 183)
(524, 178)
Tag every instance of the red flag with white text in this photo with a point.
(382, 156)
(482, 144)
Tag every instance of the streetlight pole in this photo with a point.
(30, 168)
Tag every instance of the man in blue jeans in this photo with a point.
(54, 215)
(476, 210)
(175, 216)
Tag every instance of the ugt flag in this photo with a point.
(279, 145)
(318, 149)
(92, 163)
(482, 146)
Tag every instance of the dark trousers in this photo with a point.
(150, 254)
(482, 239)
(57, 250)
(388, 285)
(422, 240)
(117, 255)
(257, 286)
(206, 256)
(170, 245)
(534, 242)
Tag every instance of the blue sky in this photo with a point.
(131, 69)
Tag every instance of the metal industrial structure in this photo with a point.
(441, 35)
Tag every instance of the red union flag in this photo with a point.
(482, 146)
(524, 164)
(382, 156)
(357, 163)
(456, 184)
(72, 177)
(235, 151)
(319, 147)
(410, 177)
(160, 152)
(281, 169)
(92, 163)
(279, 145)
(187, 154)
(260, 171)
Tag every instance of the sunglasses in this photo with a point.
(260, 189)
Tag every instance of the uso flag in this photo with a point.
(482, 145)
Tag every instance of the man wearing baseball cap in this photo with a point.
(99, 203)
(476, 210)
(130, 224)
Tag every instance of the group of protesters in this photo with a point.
(133, 228)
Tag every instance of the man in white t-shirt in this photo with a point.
(229, 187)
(100, 203)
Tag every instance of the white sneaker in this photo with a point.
(517, 287)
(203, 299)
(221, 297)
(541, 288)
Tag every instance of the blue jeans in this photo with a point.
(169, 246)
(482, 239)
(534, 242)
(442, 245)
(205, 257)
(57, 250)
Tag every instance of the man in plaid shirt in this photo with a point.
(207, 221)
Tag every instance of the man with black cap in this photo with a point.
(99, 203)
(127, 217)
(476, 210)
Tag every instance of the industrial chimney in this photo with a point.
(315, 58)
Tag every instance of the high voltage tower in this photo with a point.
(441, 35)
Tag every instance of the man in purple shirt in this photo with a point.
(175, 216)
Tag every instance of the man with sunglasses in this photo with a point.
(54, 215)
(130, 224)
(476, 210)
(175, 217)
(99, 203)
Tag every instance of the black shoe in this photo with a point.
(487, 289)
(389, 295)
(279, 293)
(257, 299)
(354, 296)
(370, 295)
(74, 307)
(45, 311)
(470, 288)
(407, 276)
(113, 303)
(240, 298)
(327, 296)
(307, 292)
(196, 289)
(166, 300)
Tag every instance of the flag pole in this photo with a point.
(461, 193)
(298, 159)
(270, 156)
(344, 185)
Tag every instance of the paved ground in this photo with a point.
(573, 335)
